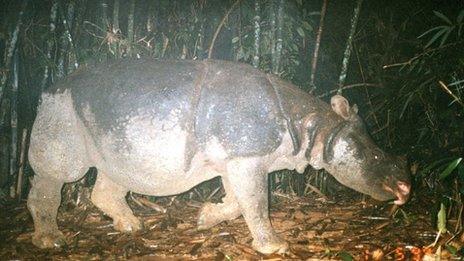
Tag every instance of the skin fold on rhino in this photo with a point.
(162, 127)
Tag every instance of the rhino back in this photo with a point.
(238, 106)
(236, 103)
(118, 91)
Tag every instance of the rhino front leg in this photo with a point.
(43, 202)
(213, 214)
(111, 199)
(249, 184)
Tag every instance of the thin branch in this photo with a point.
(410, 61)
(349, 87)
(447, 90)
(221, 24)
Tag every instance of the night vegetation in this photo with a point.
(401, 62)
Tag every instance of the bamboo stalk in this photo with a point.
(20, 181)
(50, 41)
(130, 27)
(317, 45)
(14, 122)
(279, 42)
(11, 47)
(116, 29)
(349, 45)
(272, 33)
(257, 33)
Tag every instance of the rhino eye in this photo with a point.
(378, 155)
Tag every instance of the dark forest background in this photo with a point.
(401, 62)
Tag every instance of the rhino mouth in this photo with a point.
(401, 191)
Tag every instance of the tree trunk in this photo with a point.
(64, 43)
(273, 23)
(130, 27)
(116, 29)
(68, 24)
(257, 33)
(349, 45)
(50, 42)
(104, 16)
(278, 46)
(14, 125)
(11, 48)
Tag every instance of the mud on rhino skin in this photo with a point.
(162, 127)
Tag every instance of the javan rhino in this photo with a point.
(161, 127)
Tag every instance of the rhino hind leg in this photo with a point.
(110, 198)
(213, 214)
(249, 184)
(43, 203)
(57, 155)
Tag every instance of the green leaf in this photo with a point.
(345, 256)
(435, 37)
(453, 250)
(445, 36)
(460, 17)
(449, 169)
(408, 100)
(300, 32)
(433, 29)
(307, 26)
(441, 221)
(434, 165)
(443, 17)
(235, 39)
(456, 83)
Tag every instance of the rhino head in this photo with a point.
(352, 157)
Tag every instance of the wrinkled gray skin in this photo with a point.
(160, 128)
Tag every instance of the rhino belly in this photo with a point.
(146, 155)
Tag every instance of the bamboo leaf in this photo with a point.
(456, 83)
(460, 17)
(307, 26)
(433, 165)
(445, 36)
(300, 32)
(408, 100)
(441, 222)
(443, 17)
(435, 37)
(235, 39)
(453, 250)
(345, 256)
(433, 29)
(445, 173)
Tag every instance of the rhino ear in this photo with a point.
(340, 106)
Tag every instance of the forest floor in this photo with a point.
(316, 229)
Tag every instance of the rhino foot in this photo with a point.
(110, 197)
(270, 245)
(213, 214)
(128, 224)
(49, 239)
